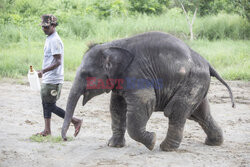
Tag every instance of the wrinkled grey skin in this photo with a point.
(186, 78)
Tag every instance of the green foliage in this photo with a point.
(81, 21)
(48, 139)
(214, 7)
(15, 58)
(81, 27)
(5, 5)
(26, 7)
(240, 7)
(229, 58)
(106, 8)
(10, 33)
(148, 6)
(222, 26)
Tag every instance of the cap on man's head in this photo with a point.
(48, 19)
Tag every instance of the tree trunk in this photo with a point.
(191, 32)
(190, 23)
(191, 26)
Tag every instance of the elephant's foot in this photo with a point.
(152, 143)
(146, 138)
(116, 141)
(214, 142)
(165, 146)
(214, 137)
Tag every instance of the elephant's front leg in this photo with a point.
(139, 110)
(118, 109)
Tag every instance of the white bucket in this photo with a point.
(34, 80)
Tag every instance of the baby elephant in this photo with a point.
(148, 72)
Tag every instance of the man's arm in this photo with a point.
(58, 62)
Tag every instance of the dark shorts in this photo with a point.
(50, 93)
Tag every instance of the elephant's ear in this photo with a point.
(116, 60)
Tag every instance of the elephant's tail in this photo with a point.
(213, 73)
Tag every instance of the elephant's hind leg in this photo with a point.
(203, 116)
(118, 109)
(179, 108)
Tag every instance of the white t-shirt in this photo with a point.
(53, 45)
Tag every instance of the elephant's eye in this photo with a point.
(84, 74)
(108, 66)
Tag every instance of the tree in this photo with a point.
(148, 6)
(190, 22)
(242, 7)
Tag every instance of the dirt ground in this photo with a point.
(21, 117)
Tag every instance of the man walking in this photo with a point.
(52, 74)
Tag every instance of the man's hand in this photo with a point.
(51, 67)
(40, 73)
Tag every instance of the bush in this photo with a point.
(222, 26)
(9, 33)
(148, 6)
(81, 26)
(108, 19)
(107, 8)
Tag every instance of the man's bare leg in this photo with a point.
(47, 130)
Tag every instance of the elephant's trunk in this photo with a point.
(71, 104)
(74, 95)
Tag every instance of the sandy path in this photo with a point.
(21, 116)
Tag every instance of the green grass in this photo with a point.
(15, 58)
(230, 58)
(87, 27)
(48, 139)
(222, 26)
(22, 45)
(22, 40)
